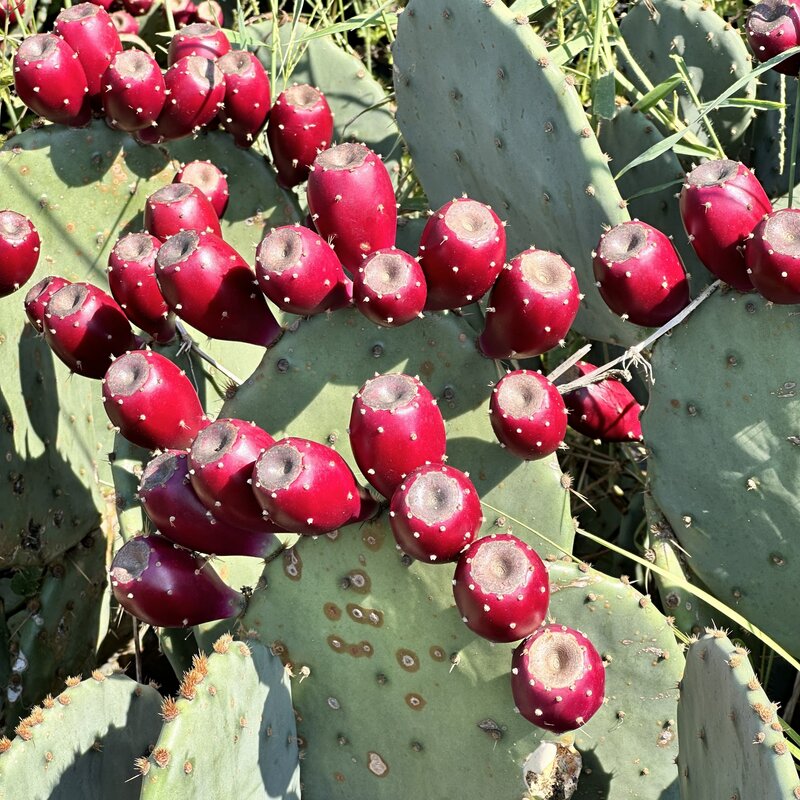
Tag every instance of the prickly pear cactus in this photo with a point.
(82, 743)
(370, 639)
(732, 744)
(359, 103)
(624, 138)
(722, 428)
(715, 55)
(232, 726)
(495, 118)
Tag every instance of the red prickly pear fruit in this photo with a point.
(604, 410)
(395, 427)
(771, 256)
(298, 270)
(89, 31)
(300, 126)
(351, 199)
(389, 288)
(209, 11)
(152, 402)
(138, 8)
(134, 91)
(86, 328)
(209, 179)
(247, 96)
(721, 202)
(528, 414)
(772, 27)
(50, 80)
(7, 12)
(104, 4)
(167, 586)
(501, 588)
(124, 23)
(198, 39)
(183, 11)
(19, 251)
(221, 465)
(195, 93)
(640, 275)
(208, 284)
(531, 307)
(462, 250)
(435, 513)
(132, 280)
(179, 207)
(557, 678)
(38, 296)
(305, 487)
(175, 509)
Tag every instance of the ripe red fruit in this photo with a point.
(435, 513)
(89, 31)
(462, 250)
(247, 96)
(50, 80)
(389, 288)
(721, 202)
(195, 89)
(300, 126)
(305, 487)
(640, 274)
(37, 297)
(19, 251)
(604, 410)
(221, 467)
(86, 329)
(176, 511)
(771, 256)
(501, 588)
(124, 22)
(395, 427)
(531, 307)
(209, 179)
(351, 199)
(557, 678)
(152, 402)
(528, 414)
(137, 8)
(132, 280)
(298, 270)
(7, 12)
(772, 27)
(179, 207)
(133, 91)
(208, 284)
(169, 587)
(198, 39)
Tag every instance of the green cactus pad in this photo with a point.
(361, 112)
(83, 189)
(395, 696)
(233, 726)
(624, 138)
(305, 386)
(58, 631)
(722, 428)
(495, 118)
(731, 740)
(83, 743)
(715, 55)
